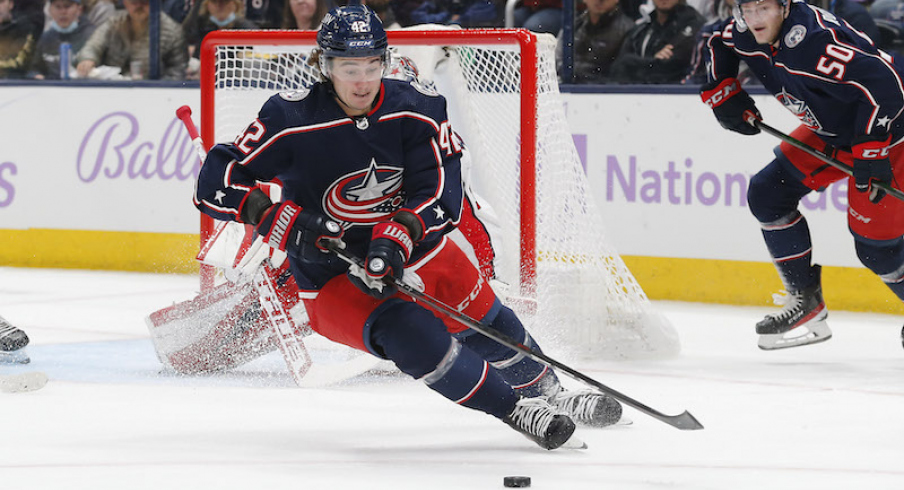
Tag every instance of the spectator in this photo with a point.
(384, 11)
(30, 12)
(304, 14)
(723, 11)
(68, 25)
(96, 11)
(889, 18)
(402, 9)
(212, 15)
(16, 42)
(178, 10)
(598, 35)
(658, 49)
(851, 11)
(465, 13)
(539, 15)
(267, 14)
(123, 42)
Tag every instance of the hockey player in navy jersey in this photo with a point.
(849, 96)
(373, 164)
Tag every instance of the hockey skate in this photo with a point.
(801, 321)
(587, 407)
(539, 422)
(12, 341)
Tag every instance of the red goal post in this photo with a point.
(553, 261)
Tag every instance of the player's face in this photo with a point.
(764, 19)
(356, 82)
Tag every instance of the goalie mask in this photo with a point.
(353, 31)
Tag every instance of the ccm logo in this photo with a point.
(720, 95)
(871, 153)
(471, 297)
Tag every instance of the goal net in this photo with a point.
(553, 263)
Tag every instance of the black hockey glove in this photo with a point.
(296, 231)
(871, 164)
(731, 105)
(389, 250)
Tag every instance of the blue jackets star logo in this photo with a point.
(800, 109)
(366, 196)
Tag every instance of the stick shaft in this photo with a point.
(800, 145)
(683, 421)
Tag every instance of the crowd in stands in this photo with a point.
(614, 41)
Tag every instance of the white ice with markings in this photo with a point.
(827, 416)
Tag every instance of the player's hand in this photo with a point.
(389, 250)
(731, 105)
(298, 232)
(871, 165)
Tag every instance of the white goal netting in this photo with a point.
(572, 288)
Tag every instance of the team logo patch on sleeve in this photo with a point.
(795, 36)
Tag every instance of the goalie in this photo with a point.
(372, 165)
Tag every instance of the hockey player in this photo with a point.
(12, 343)
(372, 164)
(849, 96)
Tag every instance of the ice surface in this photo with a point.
(826, 416)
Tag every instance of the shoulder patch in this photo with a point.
(294, 95)
(795, 36)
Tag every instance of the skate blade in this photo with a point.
(20, 383)
(807, 334)
(14, 357)
(574, 442)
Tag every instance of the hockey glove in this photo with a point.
(871, 165)
(390, 248)
(296, 231)
(731, 105)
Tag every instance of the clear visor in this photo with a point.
(754, 10)
(354, 70)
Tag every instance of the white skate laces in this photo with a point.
(801, 321)
(538, 420)
(588, 407)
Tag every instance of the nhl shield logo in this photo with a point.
(795, 36)
(365, 197)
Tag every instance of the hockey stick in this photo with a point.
(683, 421)
(800, 145)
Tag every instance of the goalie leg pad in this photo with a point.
(417, 342)
(220, 329)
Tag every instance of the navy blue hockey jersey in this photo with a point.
(358, 171)
(828, 74)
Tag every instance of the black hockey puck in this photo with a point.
(516, 481)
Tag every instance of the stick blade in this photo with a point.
(684, 421)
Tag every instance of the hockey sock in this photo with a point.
(885, 259)
(788, 241)
(419, 344)
(529, 378)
